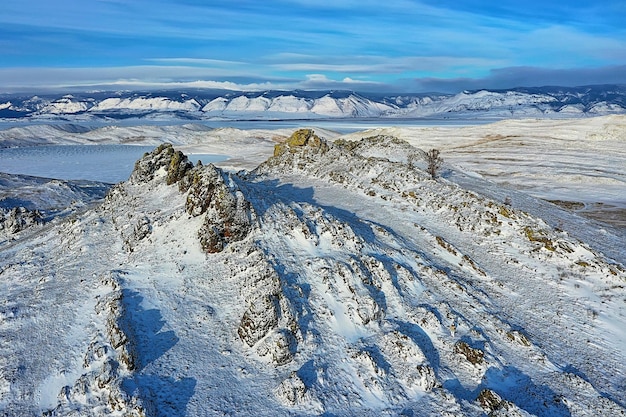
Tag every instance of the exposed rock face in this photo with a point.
(473, 355)
(139, 231)
(292, 390)
(200, 184)
(351, 314)
(489, 400)
(227, 220)
(18, 218)
(302, 139)
(269, 323)
(227, 213)
(174, 162)
(260, 317)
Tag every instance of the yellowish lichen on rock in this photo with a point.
(279, 149)
(299, 139)
(540, 237)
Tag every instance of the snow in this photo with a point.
(575, 161)
(144, 103)
(289, 104)
(369, 264)
(546, 102)
(66, 105)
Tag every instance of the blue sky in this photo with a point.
(362, 45)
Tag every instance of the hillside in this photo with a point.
(335, 278)
(544, 102)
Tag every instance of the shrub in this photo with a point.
(434, 162)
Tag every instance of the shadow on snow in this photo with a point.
(163, 395)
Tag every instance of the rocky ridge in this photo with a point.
(335, 278)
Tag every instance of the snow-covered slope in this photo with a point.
(145, 104)
(207, 104)
(66, 105)
(47, 195)
(334, 279)
(26, 201)
(577, 164)
(573, 162)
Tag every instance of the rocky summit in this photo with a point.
(333, 279)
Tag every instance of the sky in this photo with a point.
(361, 45)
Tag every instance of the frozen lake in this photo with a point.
(105, 163)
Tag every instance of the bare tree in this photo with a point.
(434, 162)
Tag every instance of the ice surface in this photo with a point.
(103, 163)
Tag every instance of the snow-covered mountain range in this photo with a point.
(336, 278)
(203, 104)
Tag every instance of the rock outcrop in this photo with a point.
(17, 219)
(227, 214)
(301, 140)
(175, 164)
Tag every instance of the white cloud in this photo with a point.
(511, 77)
(196, 61)
(181, 77)
(376, 65)
(322, 82)
(24, 79)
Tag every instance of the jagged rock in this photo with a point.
(95, 352)
(107, 372)
(260, 317)
(299, 139)
(142, 228)
(473, 355)
(200, 183)
(264, 280)
(140, 231)
(116, 327)
(408, 361)
(226, 220)
(489, 400)
(425, 377)
(368, 309)
(281, 345)
(17, 219)
(99, 390)
(113, 308)
(493, 404)
(385, 147)
(270, 315)
(292, 390)
(518, 337)
(227, 212)
(174, 162)
(178, 167)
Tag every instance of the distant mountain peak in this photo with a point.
(304, 104)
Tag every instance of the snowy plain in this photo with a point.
(389, 282)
